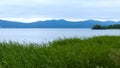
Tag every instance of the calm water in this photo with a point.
(45, 35)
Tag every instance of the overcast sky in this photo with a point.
(33, 10)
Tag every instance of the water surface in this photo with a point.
(45, 35)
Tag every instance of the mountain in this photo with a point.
(55, 24)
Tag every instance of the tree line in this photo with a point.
(114, 26)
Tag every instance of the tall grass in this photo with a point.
(96, 52)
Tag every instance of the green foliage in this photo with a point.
(115, 56)
(98, 27)
(96, 52)
(115, 26)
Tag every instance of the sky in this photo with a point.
(34, 10)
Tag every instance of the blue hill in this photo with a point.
(55, 24)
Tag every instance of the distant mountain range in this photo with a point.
(55, 24)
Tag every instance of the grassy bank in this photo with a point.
(97, 52)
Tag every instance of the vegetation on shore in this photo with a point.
(96, 52)
(115, 26)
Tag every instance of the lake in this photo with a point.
(45, 35)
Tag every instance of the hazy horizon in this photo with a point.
(32, 21)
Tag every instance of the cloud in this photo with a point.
(65, 9)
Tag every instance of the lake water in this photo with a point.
(45, 35)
